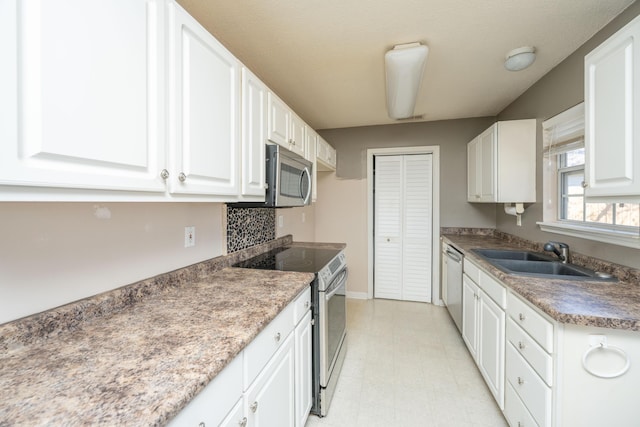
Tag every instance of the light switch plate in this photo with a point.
(189, 236)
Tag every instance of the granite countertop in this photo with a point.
(614, 305)
(142, 364)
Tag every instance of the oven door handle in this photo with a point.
(341, 278)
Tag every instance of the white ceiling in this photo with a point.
(325, 57)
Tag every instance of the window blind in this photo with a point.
(564, 132)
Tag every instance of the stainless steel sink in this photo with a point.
(524, 263)
(512, 254)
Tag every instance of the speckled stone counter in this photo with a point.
(613, 305)
(141, 364)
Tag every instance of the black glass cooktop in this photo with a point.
(305, 260)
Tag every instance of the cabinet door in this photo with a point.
(254, 126)
(82, 94)
(270, 399)
(470, 293)
(612, 119)
(297, 141)
(491, 337)
(303, 386)
(487, 164)
(473, 172)
(204, 111)
(279, 121)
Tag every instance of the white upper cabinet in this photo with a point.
(285, 127)
(612, 117)
(204, 110)
(501, 163)
(297, 141)
(82, 88)
(254, 134)
(279, 121)
(326, 155)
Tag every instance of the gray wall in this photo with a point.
(558, 90)
(452, 137)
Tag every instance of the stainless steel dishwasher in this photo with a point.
(452, 286)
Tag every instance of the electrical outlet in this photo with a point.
(189, 237)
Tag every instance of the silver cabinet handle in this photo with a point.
(164, 174)
(243, 422)
(521, 345)
(201, 424)
(584, 184)
(521, 317)
(306, 304)
(254, 406)
(277, 337)
(520, 381)
(182, 177)
(520, 424)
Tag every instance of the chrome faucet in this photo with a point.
(562, 253)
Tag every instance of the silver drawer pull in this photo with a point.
(306, 304)
(243, 422)
(521, 345)
(520, 424)
(254, 406)
(201, 424)
(521, 317)
(277, 337)
(520, 381)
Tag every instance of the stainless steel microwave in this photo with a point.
(288, 179)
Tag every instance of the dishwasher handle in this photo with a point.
(454, 255)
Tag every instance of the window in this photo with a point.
(573, 207)
(566, 210)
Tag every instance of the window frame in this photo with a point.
(561, 134)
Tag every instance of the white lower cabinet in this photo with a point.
(270, 399)
(268, 384)
(544, 373)
(483, 327)
(303, 386)
(491, 349)
(470, 293)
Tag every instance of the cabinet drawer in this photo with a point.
(258, 353)
(214, 402)
(533, 323)
(301, 305)
(494, 289)
(533, 392)
(515, 411)
(471, 270)
(539, 360)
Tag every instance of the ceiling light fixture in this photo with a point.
(404, 65)
(520, 58)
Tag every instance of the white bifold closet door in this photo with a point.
(403, 208)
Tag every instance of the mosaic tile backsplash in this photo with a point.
(247, 227)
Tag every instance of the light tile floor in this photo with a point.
(407, 365)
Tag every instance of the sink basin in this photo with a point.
(524, 263)
(512, 254)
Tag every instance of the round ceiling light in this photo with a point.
(520, 58)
